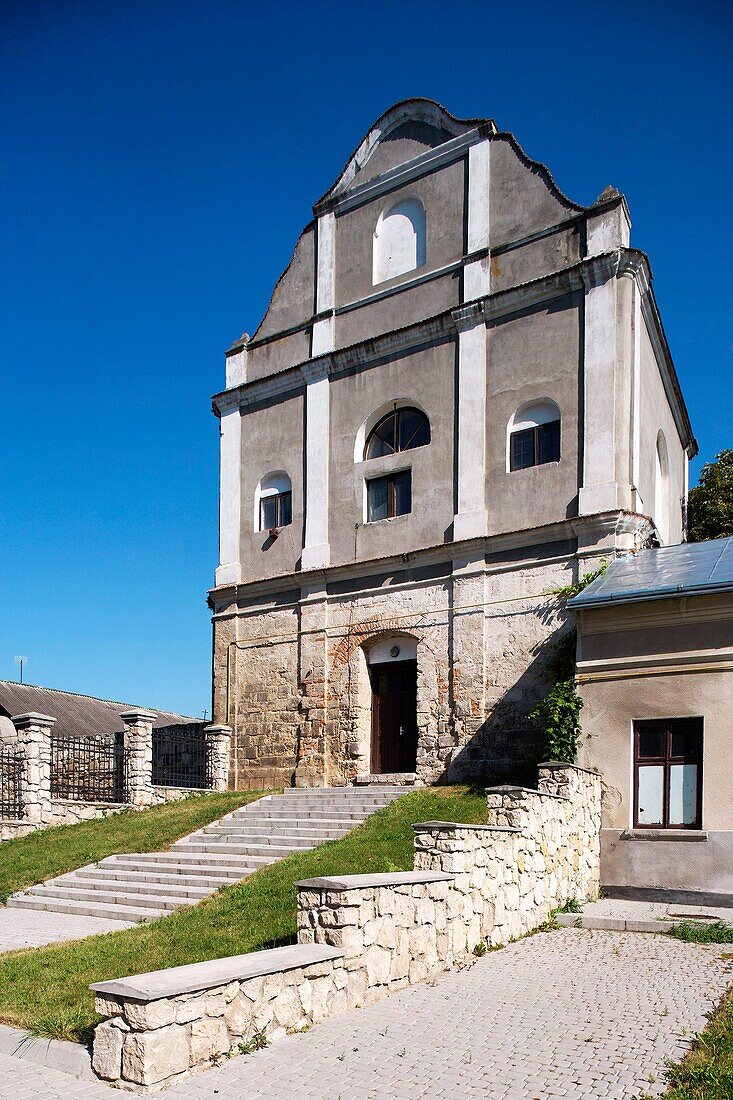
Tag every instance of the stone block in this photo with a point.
(149, 1015)
(150, 1057)
(378, 962)
(107, 1051)
(238, 1016)
(209, 1037)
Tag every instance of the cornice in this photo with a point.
(477, 549)
(427, 331)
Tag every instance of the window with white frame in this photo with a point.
(273, 502)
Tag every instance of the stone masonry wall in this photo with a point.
(299, 696)
(472, 885)
(146, 1043)
(59, 812)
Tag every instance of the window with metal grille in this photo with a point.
(400, 430)
(276, 510)
(389, 496)
(535, 446)
(668, 773)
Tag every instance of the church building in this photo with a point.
(460, 399)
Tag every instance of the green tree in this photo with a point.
(710, 503)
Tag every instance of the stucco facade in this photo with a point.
(500, 298)
(645, 661)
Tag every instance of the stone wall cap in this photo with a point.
(132, 715)
(464, 825)
(362, 882)
(213, 728)
(507, 789)
(195, 977)
(555, 764)
(32, 718)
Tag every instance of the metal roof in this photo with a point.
(692, 568)
(76, 715)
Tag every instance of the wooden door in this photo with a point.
(394, 717)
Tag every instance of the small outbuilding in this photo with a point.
(655, 670)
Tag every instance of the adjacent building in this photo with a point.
(460, 397)
(655, 669)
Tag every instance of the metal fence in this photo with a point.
(179, 758)
(89, 769)
(12, 782)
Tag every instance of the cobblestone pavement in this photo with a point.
(571, 1015)
(32, 928)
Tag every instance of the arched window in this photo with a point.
(273, 502)
(400, 430)
(399, 240)
(661, 488)
(534, 435)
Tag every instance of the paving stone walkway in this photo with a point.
(570, 1015)
(20, 928)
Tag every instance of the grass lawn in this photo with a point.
(707, 1071)
(46, 989)
(50, 852)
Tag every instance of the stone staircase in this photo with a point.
(145, 886)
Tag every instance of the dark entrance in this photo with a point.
(394, 717)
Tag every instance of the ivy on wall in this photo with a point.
(558, 713)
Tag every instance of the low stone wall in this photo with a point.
(392, 929)
(40, 810)
(472, 885)
(60, 811)
(164, 1023)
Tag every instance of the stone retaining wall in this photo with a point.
(159, 1027)
(472, 885)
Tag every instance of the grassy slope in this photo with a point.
(46, 989)
(51, 852)
(707, 1071)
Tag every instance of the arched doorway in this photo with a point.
(392, 663)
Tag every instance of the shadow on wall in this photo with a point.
(508, 745)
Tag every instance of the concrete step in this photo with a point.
(206, 881)
(86, 908)
(216, 860)
(144, 885)
(75, 893)
(283, 827)
(265, 852)
(263, 836)
(296, 815)
(168, 865)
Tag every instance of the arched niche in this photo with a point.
(399, 240)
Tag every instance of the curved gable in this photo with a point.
(406, 130)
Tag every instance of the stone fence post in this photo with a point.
(218, 745)
(34, 737)
(138, 741)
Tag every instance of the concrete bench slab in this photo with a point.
(195, 977)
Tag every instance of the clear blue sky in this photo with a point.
(158, 161)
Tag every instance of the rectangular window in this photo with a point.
(276, 510)
(668, 773)
(389, 496)
(535, 446)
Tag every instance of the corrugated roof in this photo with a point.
(691, 568)
(76, 715)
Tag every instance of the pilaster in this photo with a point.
(470, 519)
(600, 490)
(476, 272)
(230, 492)
(317, 449)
